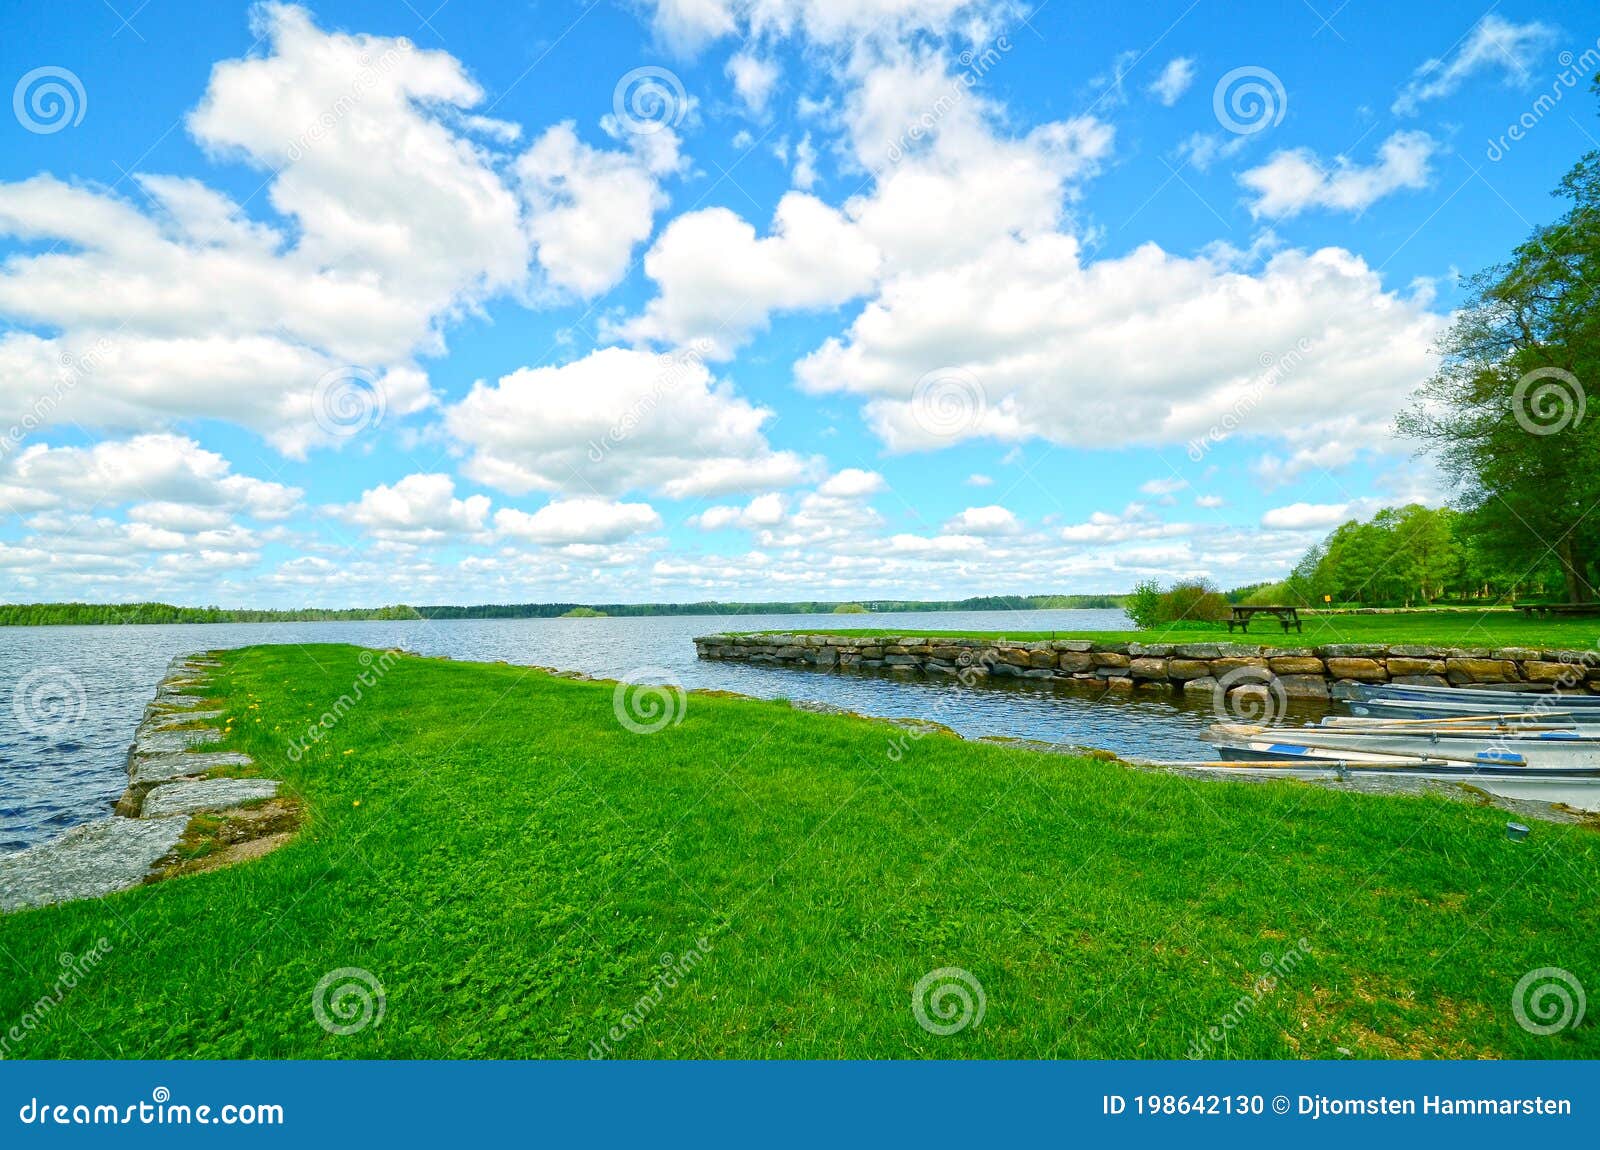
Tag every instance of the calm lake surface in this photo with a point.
(70, 697)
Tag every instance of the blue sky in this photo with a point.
(357, 303)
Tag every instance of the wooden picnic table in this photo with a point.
(1532, 609)
(1288, 616)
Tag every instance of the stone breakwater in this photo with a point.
(170, 779)
(1190, 668)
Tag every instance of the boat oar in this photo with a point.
(1446, 758)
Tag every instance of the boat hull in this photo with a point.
(1578, 788)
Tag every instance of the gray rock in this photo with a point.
(1354, 650)
(90, 861)
(147, 769)
(187, 798)
(165, 722)
(175, 702)
(170, 742)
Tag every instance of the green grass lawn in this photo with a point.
(512, 865)
(1445, 628)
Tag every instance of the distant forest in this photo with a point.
(43, 614)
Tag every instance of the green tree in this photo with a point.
(1505, 413)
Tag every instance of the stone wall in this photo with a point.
(1299, 672)
(169, 780)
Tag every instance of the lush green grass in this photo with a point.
(1447, 628)
(511, 864)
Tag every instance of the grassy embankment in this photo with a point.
(1438, 628)
(511, 864)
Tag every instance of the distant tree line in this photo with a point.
(44, 614)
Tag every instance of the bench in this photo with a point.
(1532, 609)
(1288, 616)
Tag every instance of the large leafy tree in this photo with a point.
(1511, 412)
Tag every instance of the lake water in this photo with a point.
(70, 697)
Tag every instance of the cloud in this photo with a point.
(588, 209)
(1209, 502)
(176, 480)
(1163, 486)
(618, 420)
(811, 258)
(1329, 455)
(1302, 516)
(1143, 349)
(851, 483)
(1291, 182)
(688, 25)
(991, 520)
(1174, 80)
(584, 520)
(396, 220)
(417, 509)
(1494, 44)
(762, 511)
(753, 80)
(976, 480)
(948, 195)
